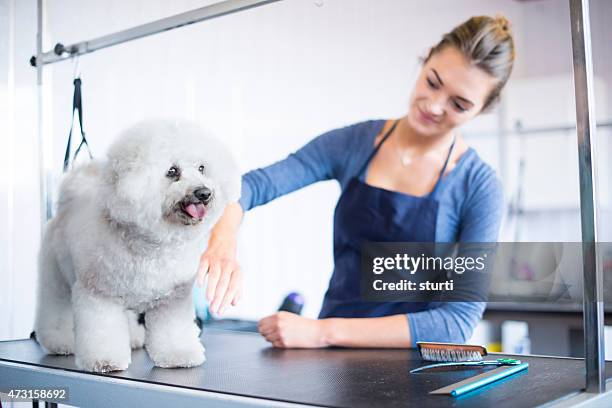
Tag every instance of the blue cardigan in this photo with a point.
(470, 208)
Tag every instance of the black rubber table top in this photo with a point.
(244, 364)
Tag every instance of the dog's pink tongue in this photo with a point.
(196, 210)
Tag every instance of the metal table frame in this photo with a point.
(258, 375)
(586, 130)
(124, 392)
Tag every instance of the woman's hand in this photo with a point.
(219, 263)
(288, 330)
(224, 275)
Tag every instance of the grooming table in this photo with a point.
(243, 370)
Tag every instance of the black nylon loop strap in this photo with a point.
(77, 104)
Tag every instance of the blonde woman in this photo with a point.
(412, 179)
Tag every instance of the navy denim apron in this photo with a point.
(370, 214)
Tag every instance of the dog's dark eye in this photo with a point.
(201, 169)
(173, 172)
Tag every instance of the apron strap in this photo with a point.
(369, 159)
(450, 152)
(386, 136)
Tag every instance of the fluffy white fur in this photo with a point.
(122, 243)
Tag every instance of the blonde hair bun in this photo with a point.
(502, 22)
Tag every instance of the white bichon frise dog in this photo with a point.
(126, 239)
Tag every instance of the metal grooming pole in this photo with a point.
(586, 131)
(62, 52)
(43, 154)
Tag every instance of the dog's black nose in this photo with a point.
(203, 194)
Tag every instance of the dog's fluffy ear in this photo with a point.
(121, 180)
(128, 167)
(127, 194)
(134, 185)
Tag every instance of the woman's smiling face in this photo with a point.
(449, 91)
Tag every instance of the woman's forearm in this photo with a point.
(229, 222)
(376, 332)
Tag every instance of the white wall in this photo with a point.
(543, 96)
(19, 188)
(266, 81)
(6, 100)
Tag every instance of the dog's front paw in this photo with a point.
(101, 357)
(188, 354)
(102, 365)
(56, 342)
